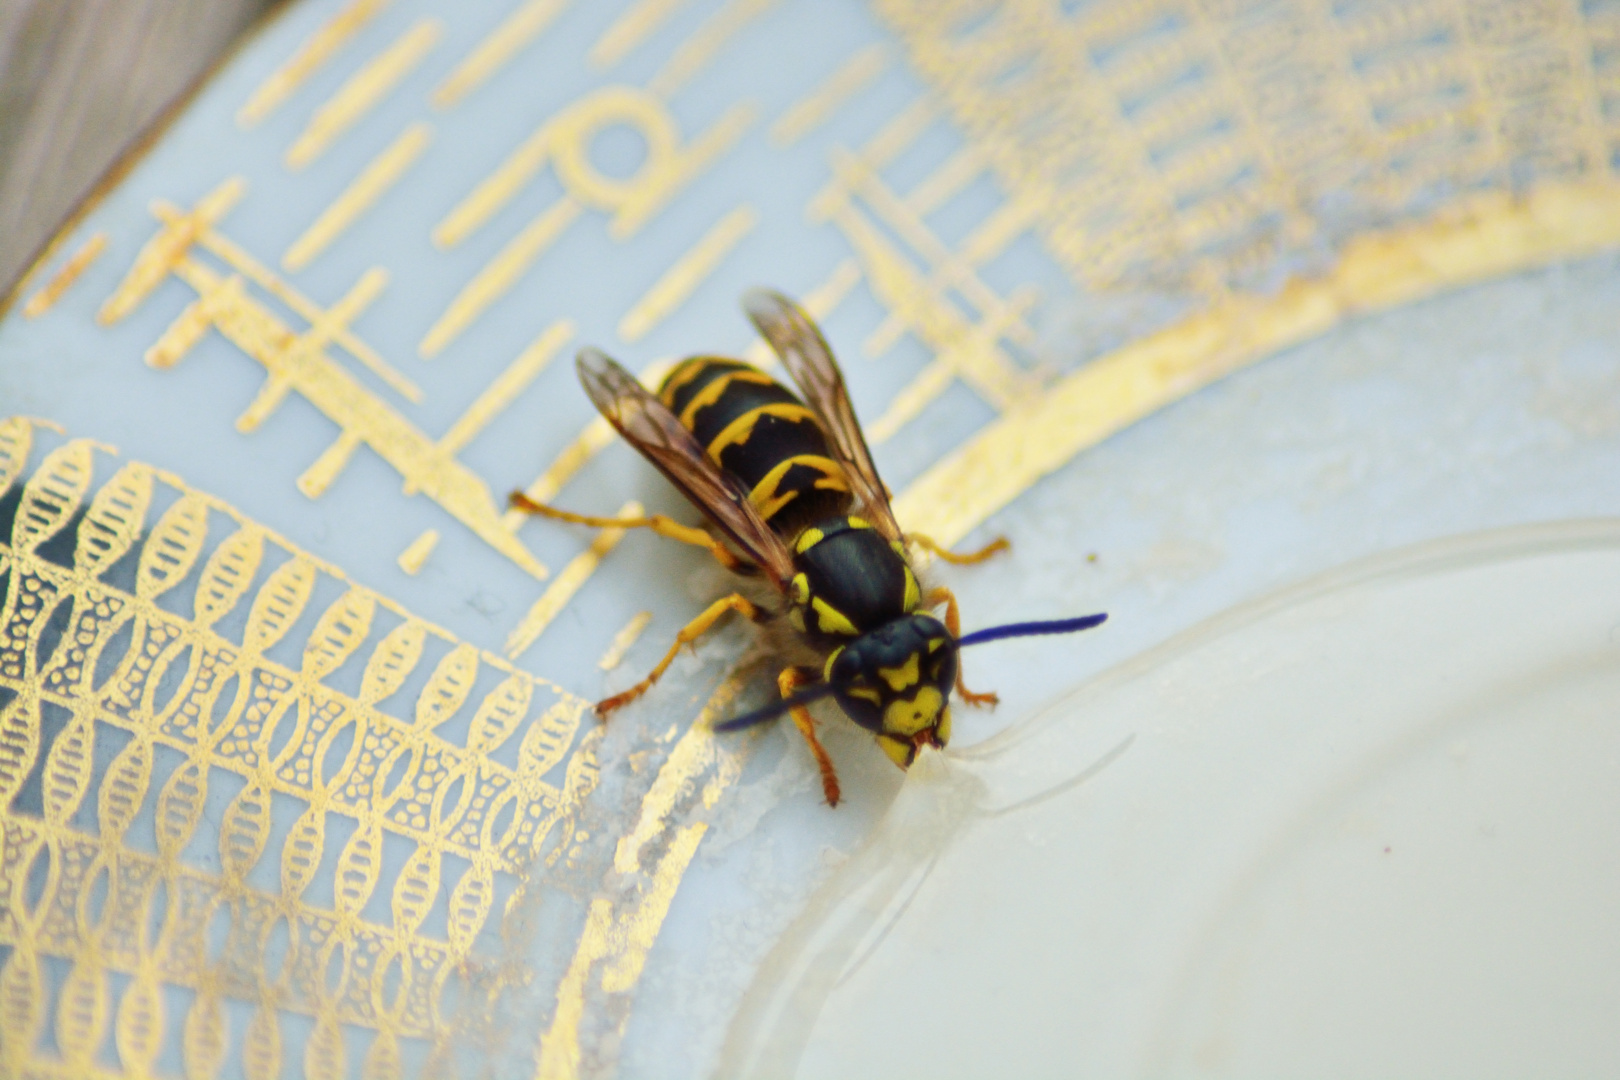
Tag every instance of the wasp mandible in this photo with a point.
(789, 487)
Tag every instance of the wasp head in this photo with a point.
(896, 681)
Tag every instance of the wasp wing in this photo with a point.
(651, 428)
(806, 356)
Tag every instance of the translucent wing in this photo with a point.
(807, 358)
(651, 428)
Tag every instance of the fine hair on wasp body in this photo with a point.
(792, 498)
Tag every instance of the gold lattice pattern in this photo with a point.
(161, 687)
(1197, 141)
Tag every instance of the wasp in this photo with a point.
(789, 488)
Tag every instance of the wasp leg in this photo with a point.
(688, 634)
(999, 544)
(953, 623)
(658, 523)
(789, 681)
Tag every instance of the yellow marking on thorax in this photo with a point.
(801, 591)
(830, 619)
(900, 677)
(711, 393)
(807, 540)
(858, 522)
(738, 431)
(768, 502)
(910, 717)
(913, 594)
(826, 668)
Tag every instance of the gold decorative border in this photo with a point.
(1479, 238)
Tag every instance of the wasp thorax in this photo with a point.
(896, 681)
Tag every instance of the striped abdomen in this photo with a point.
(756, 429)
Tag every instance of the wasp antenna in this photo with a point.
(1030, 629)
(776, 708)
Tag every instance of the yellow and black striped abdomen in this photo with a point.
(759, 431)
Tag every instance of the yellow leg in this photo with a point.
(953, 623)
(658, 523)
(999, 544)
(688, 634)
(788, 682)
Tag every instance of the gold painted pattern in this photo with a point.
(311, 55)
(514, 34)
(1128, 170)
(624, 640)
(418, 551)
(622, 927)
(380, 174)
(166, 251)
(563, 143)
(64, 279)
(203, 648)
(1486, 237)
(631, 29)
(497, 276)
(682, 279)
(363, 91)
(699, 51)
(570, 581)
(500, 393)
(963, 348)
(1151, 145)
(813, 110)
(299, 363)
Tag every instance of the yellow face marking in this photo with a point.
(738, 431)
(859, 523)
(801, 588)
(942, 731)
(899, 752)
(830, 619)
(808, 539)
(712, 392)
(826, 669)
(865, 693)
(910, 717)
(900, 677)
(913, 592)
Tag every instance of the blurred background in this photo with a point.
(82, 82)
